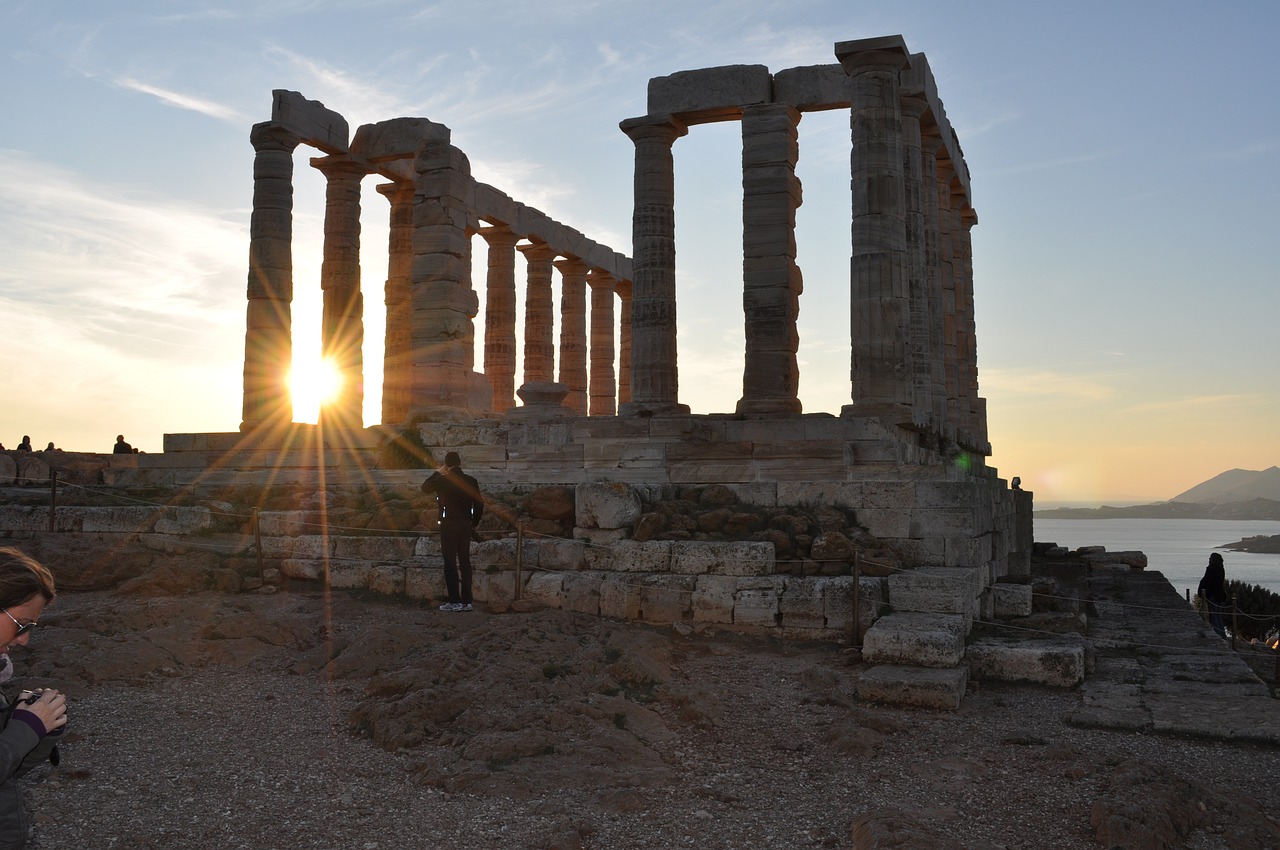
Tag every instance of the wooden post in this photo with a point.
(257, 544)
(53, 496)
(1235, 622)
(519, 557)
(854, 599)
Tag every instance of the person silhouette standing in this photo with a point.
(461, 507)
(1213, 587)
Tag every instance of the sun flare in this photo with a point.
(312, 384)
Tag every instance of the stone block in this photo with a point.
(813, 87)
(710, 94)
(732, 558)
(1011, 600)
(885, 523)
(945, 522)
(562, 555)
(386, 579)
(666, 598)
(925, 640)
(310, 121)
(184, 520)
(129, 520)
(494, 205)
(600, 536)
(757, 606)
(8, 469)
(313, 546)
(606, 505)
(545, 588)
(500, 590)
(914, 686)
(397, 138)
(428, 583)
(582, 593)
(631, 556)
(1052, 662)
(302, 568)
(429, 547)
(712, 599)
(623, 455)
(277, 547)
(375, 548)
(801, 604)
(964, 551)
(349, 574)
(619, 598)
(282, 523)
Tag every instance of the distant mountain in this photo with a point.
(1235, 485)
(1254, 509)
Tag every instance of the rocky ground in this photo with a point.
(301, 720)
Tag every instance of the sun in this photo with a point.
(312, 383)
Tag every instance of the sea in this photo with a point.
(1179, 548)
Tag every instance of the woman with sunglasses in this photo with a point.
(32, 725)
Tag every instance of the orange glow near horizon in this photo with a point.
(312, 383)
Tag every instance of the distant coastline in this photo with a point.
(1252, 509)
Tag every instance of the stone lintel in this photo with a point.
(710, 94)
(395, 139)
(310, 120)
(810, 88)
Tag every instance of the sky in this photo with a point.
(1122, 159)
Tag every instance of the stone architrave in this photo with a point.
(500, 316)
(397, 359)
(342, 322)
(603, 387)
(624, 288)
(881, 358)
(771, 278)
(444, 304)
(573, 332)
(268, 338)
(539, 345)
(654, 374)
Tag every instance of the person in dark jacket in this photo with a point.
(1213, 587)
(33, 723)
(461, 507)
(25, 445)
(121, 447)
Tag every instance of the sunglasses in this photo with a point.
(23, 628)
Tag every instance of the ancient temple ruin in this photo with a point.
(603, 413)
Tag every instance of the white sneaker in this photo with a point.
(465, 606)
(451, 606)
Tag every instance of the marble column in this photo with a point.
(770, 277)
(342, 320)
(397, 359)
(603, 387)
(623, 288)
(268, 338)
(881, 361)
(931, 142)
(948, 223)
(975, 407)
(500, 316)
(655, 375)
(573, 332)
(539, 344)
(918, 341)
(444, 303)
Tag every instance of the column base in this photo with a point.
(752, 406)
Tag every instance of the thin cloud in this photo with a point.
(183, 101)
(1014, 382)
(1185, 404)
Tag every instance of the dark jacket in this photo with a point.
(458, 495)
(1214, 584)
(21, 749)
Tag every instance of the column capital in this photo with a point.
(601, 279)
(396, 192)
(887, 52)
(498, 236)
(272, 136)
(914, 106)
(663, 127)
(570, 266)
(339, 166)
(537, 251)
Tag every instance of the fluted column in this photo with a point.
(918, 342)
(500, 316)
(342, 321)
(573, 332)
(770, 277)
(655, 379)
(930, 143)
(881, 358)
(397, 358)
(268, 338)
(603, 387)
(539, 345)
(976, 407)
(948, 223)
(623, 288)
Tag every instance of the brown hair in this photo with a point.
(22, 577)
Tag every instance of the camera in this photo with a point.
(31, 697)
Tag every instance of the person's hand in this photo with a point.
(444, 469)
(51, 708)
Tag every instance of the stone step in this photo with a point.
(1056, 662)
(937, 590)
(922, 687)
(924, 640)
